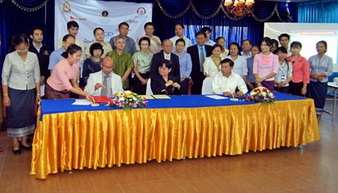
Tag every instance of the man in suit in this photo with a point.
(104, 82)
(165, 54)
(198, 54)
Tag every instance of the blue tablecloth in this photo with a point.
(184, 101)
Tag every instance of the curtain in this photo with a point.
(324, 11)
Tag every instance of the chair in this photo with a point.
(148, 89)
(207, 86)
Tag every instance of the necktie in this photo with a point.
(167, 57)
(104, 87)
(202, 57)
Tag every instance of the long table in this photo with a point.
(71, 137)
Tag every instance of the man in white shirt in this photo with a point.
(227, 82)
(155, 42)
(73, 29)
(246, 47)
(104, 82)
(179, 31)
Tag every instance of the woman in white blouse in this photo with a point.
(212, 63)
(240, 67)
(21, 90)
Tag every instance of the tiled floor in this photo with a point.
(307, 169)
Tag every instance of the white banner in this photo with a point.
(90, 14)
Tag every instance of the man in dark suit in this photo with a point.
(198, 54)
(165, 54)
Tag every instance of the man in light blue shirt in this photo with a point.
(123, 32)
(55, 56)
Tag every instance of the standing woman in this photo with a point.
(240, 66)
(320, 69)
(265, 65)
(185, 65)
(212, 64)
(142, 61)
(64, 77)
(21, 90)
(301, 71)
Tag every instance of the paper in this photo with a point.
(217, 97)
(82, 102)
(147, 96)
(161, 96)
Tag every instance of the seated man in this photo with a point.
(104, 82)
(226, 82)
(165, 83)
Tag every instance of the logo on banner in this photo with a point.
(141, 11)
(66, 7)
(105, 13)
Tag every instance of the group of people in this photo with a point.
(106, 68)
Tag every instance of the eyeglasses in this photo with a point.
(109, 67)
(22, 50)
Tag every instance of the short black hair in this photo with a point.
(179, 25)
(228, 60)
(35, 28)
(144, 39)
(247, 40)
(217, 46)
(207, 28)
(65, 37)
(281, 49)
(296, 44)
(72, 24)
(72, 49)
(284, 35)
(123, 23)
(98, 28)
(148, 23)
(180, 40)
(167, 63)
(95, 46)
(219, 38)
(201, 33)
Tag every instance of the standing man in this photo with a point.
(122, 60)
(129, 42)
(99, 38)
(104, 82)
(155, 42)
(73, 29)
(55, 56)
(42, 52)
(167, 48)
(207, 31)
(246, 48)
(284, 40)
(179, 31)
(198, 54)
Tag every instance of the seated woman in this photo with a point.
(64, 77)
(165, 83)
(227, 82)
(92, 64)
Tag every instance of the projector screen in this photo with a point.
(308, 34)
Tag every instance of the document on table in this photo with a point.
(82, 102)
(147, 96)
(161, 96)
(217, 97)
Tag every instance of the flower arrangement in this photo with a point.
(128, 100)
(261, 94)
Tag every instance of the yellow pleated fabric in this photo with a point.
(91, 139)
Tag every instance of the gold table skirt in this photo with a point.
(91, 139)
